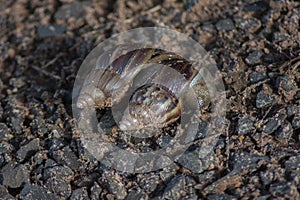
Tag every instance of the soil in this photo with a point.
(256, 45)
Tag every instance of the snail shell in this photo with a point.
(154, 104)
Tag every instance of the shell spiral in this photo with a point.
(151, 105)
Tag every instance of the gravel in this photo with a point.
(14, 175)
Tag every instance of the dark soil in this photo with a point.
(256, 45)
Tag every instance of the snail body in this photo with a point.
(156, 103)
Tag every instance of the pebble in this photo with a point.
(32, 192)
(14, 175)
(50, 30)
(296, 122)
(4, 132)
(285, 131)
(293, 163)
(286, 83)
(149, 183)
(256, 77)
(59, 186)
(292, 110)
(74, 9)
(190, 160)
(56, 171)
(175, 188)
(115, 187)
(271, 125)
(28, 150)
(220, 197)
(245, 125)
(138, 195)
(263, 100)
(80, 194)
(249, 25)
(284, 189)
(95, 191)
(254, 57)
(225, 25)
(66, 157)
(4, 194)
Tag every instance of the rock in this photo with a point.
(149, 183)
(4, 132)
(285, 131)
(249, 25)
(175, 188)
(247, 162)
(296, 122)
(66, 157)
(293, 163)
(80, 194)
(4, 194)
(59, 186)
(167, 174)
(190, 160)
(220, 197)
(95, 191)
(225, 25)
(138, 195)
(56, 171)
(256, 77)
(15, 115)
(74, 9)
(263, 100)
(50, 30)
(267, 177)
(14, 175)
(115, 187)
(245, 125)
(32, 192)
(28, 149)
(271, 125)
(6, 147)
(254, 57)
(283, 189)
(164, 140)
(292, 110)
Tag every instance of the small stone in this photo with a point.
(256, 77)
(225, 25)
(164, 140)
(190, 160)
(266, 177)
(293, 163)
(175, 188)
(296, 122)
(56, 171)
(220, 197)
(32, 192)
(115, 187)
(167, 174)
(292, 110)
(283, 189)
(95, 191)
(59, 186)
(74, 9)
(254, 57)
(14, 175)
(28, 149)
(271, 126)
(4, 132)
(149, 183)
(285, 131)
(138, 195)
(278, 36)
(286, 83)
(4, 194)
(263, 100)
(249, 25)
(80, 194)
(66, 157)
(50, 30)
(245, 125)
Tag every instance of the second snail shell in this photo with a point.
(151, 105)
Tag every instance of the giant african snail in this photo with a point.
(151, 105)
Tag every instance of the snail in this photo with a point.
(154, 104)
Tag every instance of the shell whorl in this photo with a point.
(150, 105)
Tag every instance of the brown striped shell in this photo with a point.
(151, 105)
